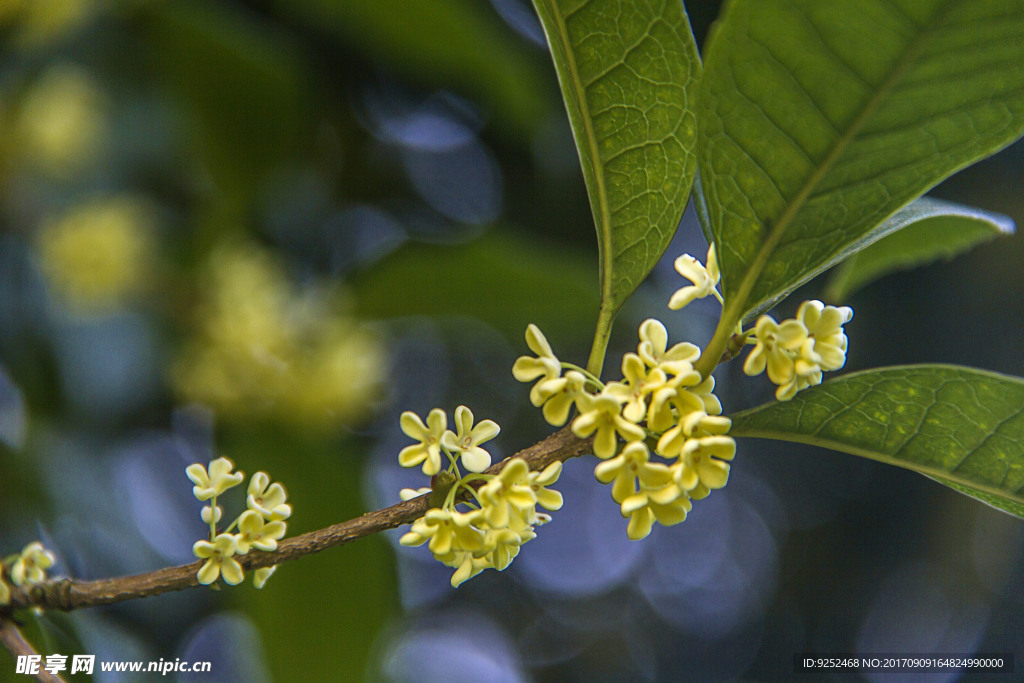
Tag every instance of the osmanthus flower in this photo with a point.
(654, 351)
(630, 470)
(5, 593)
(267, 499)
(211, 514)
(219, 560)
(260, 576)
(797, 351)
(676, 399)
(639, 383)
(255, 532)
(214, 480)
(558, 396)
(466, 566)
(31, 565)
(549, 499)
(502, 545)
(825, 342)
(666, 505)
(409, 494)
(509, 489)
(703, 278)
(774, 349)
(546, 364)
(467, 441)
(446, 532)
(701, 465)
(705, 392)
(428, 450)
(693, 425)
(602, 414)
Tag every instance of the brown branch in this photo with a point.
(15, 643)
(70, 594)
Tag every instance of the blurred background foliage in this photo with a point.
(264, 228)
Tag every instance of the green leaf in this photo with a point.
(628, 72)
(818, 120)
(961, 426)
(924, 231)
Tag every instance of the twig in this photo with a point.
(15, 643)
(71, 594)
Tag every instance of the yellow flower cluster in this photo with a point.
(661, 404)
(264, 348)
(498, 517)
(798, 350)
(99, 254)
(25, 568)
(261, 526)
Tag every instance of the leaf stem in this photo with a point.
(605, 318)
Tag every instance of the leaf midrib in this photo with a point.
(735, 305)
(603, 218)
(878, 457)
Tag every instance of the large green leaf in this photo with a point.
(961, 426)
(818, 120)
(628, 70)
(924, 231)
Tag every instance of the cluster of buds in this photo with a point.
(480, 520)
(260, 526)
(24, 569)
(798, 350)
(661, 405)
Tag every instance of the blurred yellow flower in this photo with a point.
(37, 22)
(264, 347)
(99, 254)
(62, 123)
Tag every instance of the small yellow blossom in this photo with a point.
(5, 593)
(409, 494)
(31, 565)
(704, 279)
(630, 468)
(639, 383)
(602, 414)
(466, 566)
(558, 395)
(677, 398)
(428, 450)
(825, 343)
(260, 576)
(654, 351)
(255, 532)
(445, 532)
(666, 505)
(267, 499)
(547, 498)
(774, 349)
(219, 560)
(467, 441)
(214, 482)
(211, 514)
(508, 489)
(546, 365)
